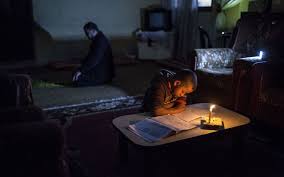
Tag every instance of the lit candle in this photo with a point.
(210, 112)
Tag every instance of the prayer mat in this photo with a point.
(61, 112)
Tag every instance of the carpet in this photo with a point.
(45, 84)
(75, 110)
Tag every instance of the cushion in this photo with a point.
(215, 78)
(215, 58)
(218, 71)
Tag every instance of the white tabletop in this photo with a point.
(230, 118)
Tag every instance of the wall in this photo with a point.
(234, 13)
(208, 20)
(64, 19)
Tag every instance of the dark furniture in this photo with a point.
(223, 38)
(242, 85)
(249, 74)
(30, 145)
(214, 66)
(267, 98)
(16, 90)
(205, 41)
(221, 73)
(259, 92)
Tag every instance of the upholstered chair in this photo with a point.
(245, 71)
(30, 145)
(266, 104)
(205, 41)
(216, 67)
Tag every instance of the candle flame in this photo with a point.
(212, 107)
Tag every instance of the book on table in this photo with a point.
(153, 129)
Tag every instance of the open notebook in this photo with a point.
(156, 128)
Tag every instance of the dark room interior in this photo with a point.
(75, 77)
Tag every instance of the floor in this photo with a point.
(130, 80)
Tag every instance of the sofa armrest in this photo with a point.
(242, 85)
(214, 58)
(32, 148)
(241, 68)
(16, 90)
(265, 75)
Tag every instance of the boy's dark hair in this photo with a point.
(91, 25)
(186, 76)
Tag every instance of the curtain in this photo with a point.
(168, 4)
(186, 26)
(185, 23)
(171, 5)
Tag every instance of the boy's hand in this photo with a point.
(180, 108)
(181, 100)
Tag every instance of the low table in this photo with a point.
(235, 125)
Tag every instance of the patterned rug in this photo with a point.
(61, 112)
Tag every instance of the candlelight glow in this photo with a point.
(212, 107)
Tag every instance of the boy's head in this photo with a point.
(185, 81)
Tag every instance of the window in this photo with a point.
(204, 4)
